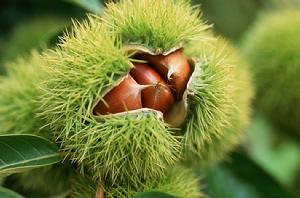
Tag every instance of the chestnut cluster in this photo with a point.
(156, 84)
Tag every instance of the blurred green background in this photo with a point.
(268, 162)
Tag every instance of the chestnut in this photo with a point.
(158, 96)
(174, 68)
(155, 85)
(124, 97)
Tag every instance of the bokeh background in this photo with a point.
(267, 164)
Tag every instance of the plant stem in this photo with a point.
(100, 191)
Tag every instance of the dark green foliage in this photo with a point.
(6, 193)
(244, 178)
(275, 152)
(231, 18)
(36, 33)
(53, 180)
(21, 152)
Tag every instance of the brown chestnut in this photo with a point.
(158, 96)
(124, 97)
(174, 68)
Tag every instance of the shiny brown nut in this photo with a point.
(145, 75)
(158, 96)
(174, 68)
(124, 97)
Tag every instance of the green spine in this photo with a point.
(220, 108)
(19, 115)
(217, 117)
(178, 181)
(19, 92)
(87, 63)
(156, 25)
(272, 47)
(134, 148)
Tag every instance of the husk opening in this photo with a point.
(178, 113)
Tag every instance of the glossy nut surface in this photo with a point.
(158, 96)
(174, 68)
(145, 75)
(155, 85)
(124, 97)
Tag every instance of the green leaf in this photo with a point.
(6, 193)
(223, 183)
(247, 170)
(241, 177)
(22, 152)
(154, 194)
(90, 5)
(277, 154)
